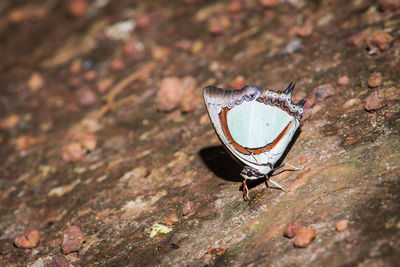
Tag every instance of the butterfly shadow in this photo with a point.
(221, 163)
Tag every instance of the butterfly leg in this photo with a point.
(275, 184)
(245, 190)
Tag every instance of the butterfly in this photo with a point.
(255, 126)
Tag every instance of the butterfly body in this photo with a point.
(254, 125)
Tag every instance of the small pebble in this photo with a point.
(35, 82)
(90, 75)
(188, 208)
(77, 8)
(343, 80)
(356, 39)
(304, 237)
(57, 261)
(239, 82)
(219, 24)
(184, 45)
(29, 239)
(88, 141)
(117, 64)
(323, 91)
(160, 53)
(104, 84)
(269, 3)
(235, 6)
(10, 122)
(170, 93)
(76, 66)
(292, 47)
(373, 101)
(142, 21)
(23, 142)
(189, 99)
(86, 97)
(375, 80)
(197, 47)
(341, 225)
(302, 31)
(203, 119)
(172, 219)
(72, 239)
(133, 49)
(382, 41)
(291, 229)
(72, 152)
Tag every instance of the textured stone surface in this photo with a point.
(140, 165)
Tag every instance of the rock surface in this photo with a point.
(92, 135)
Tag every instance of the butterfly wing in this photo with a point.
(255, 126)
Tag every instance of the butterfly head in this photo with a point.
(251, 173)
